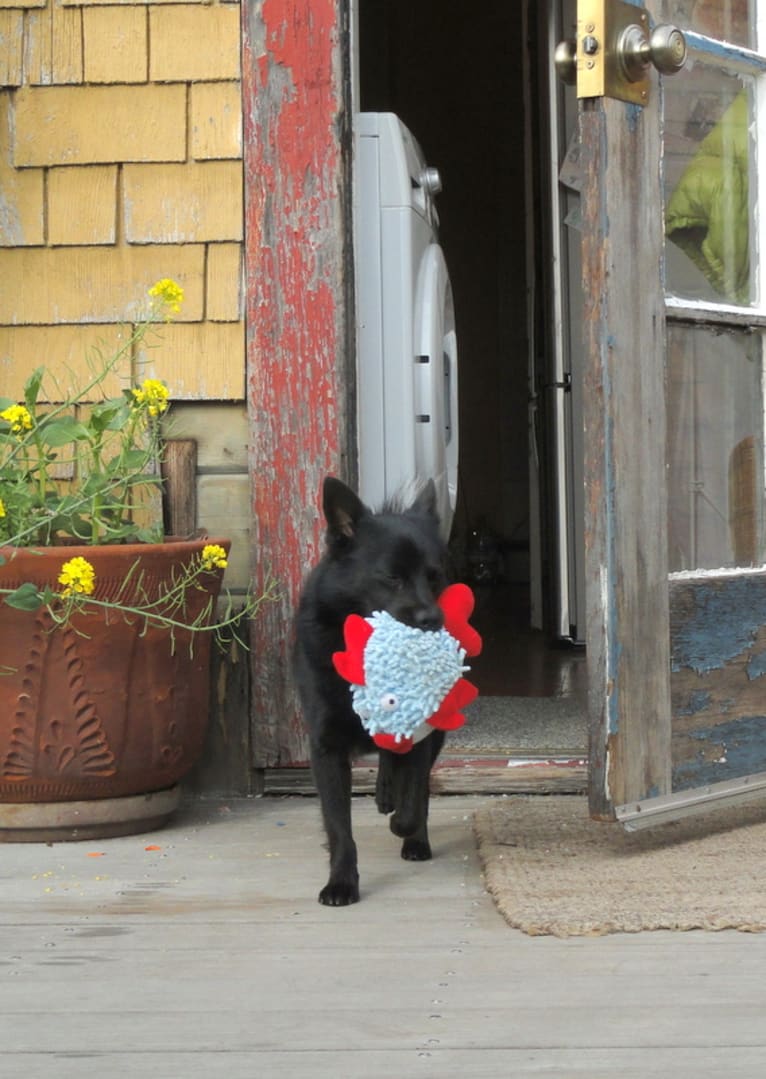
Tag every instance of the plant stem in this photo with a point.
(95, 507)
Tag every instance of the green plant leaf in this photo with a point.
(32, 387)
(62, 431)
(109, 415)
(25, 598)
(72, 525)
(129, 461)
(150, 534)
(95, 484)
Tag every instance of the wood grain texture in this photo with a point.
(718, 633)
(455, 775)
(626, 556)
(224, 767)
(179, 493)
(211, 957)
(299, 373)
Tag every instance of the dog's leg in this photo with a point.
(411, 773)
(332, 775)
(384, 784)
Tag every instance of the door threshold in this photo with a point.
(495, 773)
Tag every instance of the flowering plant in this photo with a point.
(82, 472)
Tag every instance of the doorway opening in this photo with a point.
(474, 89)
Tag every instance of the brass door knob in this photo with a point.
(665, 48)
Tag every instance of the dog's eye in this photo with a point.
(394, 582)
(388, 702)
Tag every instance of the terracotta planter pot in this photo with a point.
(102, 709)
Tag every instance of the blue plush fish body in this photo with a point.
(407, 682)
(408, 673)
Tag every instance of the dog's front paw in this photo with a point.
(416, 850)
(405, 824)
(337, 893)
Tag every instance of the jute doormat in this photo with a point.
(551, 870)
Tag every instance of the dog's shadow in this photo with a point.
(394, 877)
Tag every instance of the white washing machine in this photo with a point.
(407, 348)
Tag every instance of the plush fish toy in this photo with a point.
(406, 682)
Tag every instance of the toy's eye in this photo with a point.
(388, 702)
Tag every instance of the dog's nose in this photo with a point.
(430, 618)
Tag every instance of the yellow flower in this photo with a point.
(2, 508)
(153, 394)
(77, 575)
(18, 417)
(168, 293)
(213, 557)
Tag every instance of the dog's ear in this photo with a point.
(426, 501)
(342, 508)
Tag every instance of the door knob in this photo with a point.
(665, 48)
(615, 49)
(565, 61)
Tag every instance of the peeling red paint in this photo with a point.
(295, 242)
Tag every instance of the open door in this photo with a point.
(674, 311)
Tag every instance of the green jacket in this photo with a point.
(708, 214)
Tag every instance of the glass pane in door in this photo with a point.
(715, 448)
(709, 216)
(728, 20)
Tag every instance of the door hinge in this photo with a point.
(615, 49)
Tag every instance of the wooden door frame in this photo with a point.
(300, 320)
(301, 380)
(626, 490)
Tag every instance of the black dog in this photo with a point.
(389, 561)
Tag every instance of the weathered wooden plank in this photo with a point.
(624, 414)
(718, 654)
(457, 776)
(300, 380)
(428, 1061)
(211, 956)
(359, 1028)
(341, 979)
(179, 487)
(224, 766)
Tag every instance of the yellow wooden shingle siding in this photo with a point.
(87, 125)
(76, 348)
(82, 205)
(116, 44)
(11, 47)
(225, 299)
(215, 347)
(47, 285)
(194, 43)
(52, 45)
(124, 165)
(121, 163)
(216, 120)
(22, 193)
(189, 203)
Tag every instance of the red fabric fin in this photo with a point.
(388, 741)
(447, 723)
(350, 664)
(457, 603)
(447, 716)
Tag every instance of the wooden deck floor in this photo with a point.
(211, 957)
